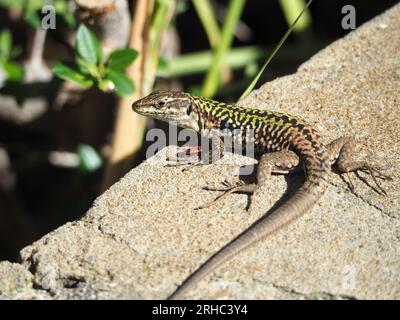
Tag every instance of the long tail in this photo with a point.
(296, 206)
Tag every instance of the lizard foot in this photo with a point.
(228, 188)
(342, 152)
(186, 156)
(363, 166)
(189, 157)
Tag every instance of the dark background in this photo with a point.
(45, 196)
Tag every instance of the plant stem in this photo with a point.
(129, 127)
(255, 80)
(161, 19)
(198, 62)
(291, 9)
(212, 80)
(208, 20)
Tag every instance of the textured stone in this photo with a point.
(143, 237)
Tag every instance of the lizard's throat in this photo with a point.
(180, 119)
(187, 123)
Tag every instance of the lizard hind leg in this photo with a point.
(342, 152)
(281, 162)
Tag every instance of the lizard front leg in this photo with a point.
(197, 156)
(342, 152)
(282, 162)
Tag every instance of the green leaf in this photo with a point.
(119, 60)
(83, 66)
(13, 70)
(67, 73)
(33, 19)
(123, 85)
(89, 159)
(87, 45)
(31, 12)
(5, 44)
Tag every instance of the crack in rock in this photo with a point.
(319, 295)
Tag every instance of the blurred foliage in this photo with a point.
(89, 159)
(208, 19)
(204, 53)
(291, 9)
(277, 47)
(222, 54)
(160, 20)
(90, 67)
(213, 76)
(201, 61)
(12, 69)
(32, 9)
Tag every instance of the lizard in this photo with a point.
(284, 142)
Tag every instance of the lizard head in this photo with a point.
(170, 106)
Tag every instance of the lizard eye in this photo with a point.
(161, 103)
(189, 110)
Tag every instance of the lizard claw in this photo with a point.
(377, 173)
(374, 173)
(184, 156)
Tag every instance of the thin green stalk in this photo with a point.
(212, 80)
(290, 9)
(160, 21)
(208, 20)
(255, 80)
(199, 62)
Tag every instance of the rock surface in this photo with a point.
(143, 237)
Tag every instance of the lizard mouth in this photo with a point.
(137, 105)
(154, 112)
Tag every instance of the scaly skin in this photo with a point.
(283, 141)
